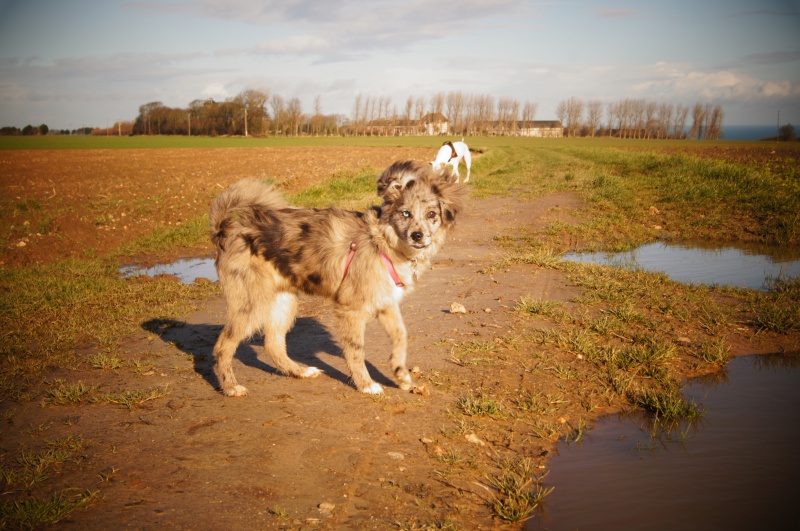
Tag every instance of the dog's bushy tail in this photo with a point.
(240, 199)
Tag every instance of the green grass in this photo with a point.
(520, 490)
(37, 513)
(47, 310)
(350, 190)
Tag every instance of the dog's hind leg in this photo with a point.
(352, 324)
(225, 348)
(467, 163)
(392, 322)
(281, 318)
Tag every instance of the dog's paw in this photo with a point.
(406, 385)
(310, 372)
(236, 390)
(372, 389)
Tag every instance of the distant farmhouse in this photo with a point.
(540, 128)
(436, 124)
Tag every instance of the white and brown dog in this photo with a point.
(269, 252)
(450, 156)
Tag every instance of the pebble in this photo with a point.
(457, 308)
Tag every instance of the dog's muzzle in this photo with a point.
(419, 240)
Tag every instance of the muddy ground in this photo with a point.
(294, 454)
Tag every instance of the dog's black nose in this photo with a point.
(416, 236)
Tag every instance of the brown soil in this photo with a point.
(315, 451)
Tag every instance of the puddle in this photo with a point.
(187, 270)
(736, 469)
(745, 267)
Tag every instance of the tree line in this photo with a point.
(257, 112)
(261, 113)
(639, 118)
(43, 129)
(251, 112)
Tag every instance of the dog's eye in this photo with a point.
(406, 214)
(431, 214)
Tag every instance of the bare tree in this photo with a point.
(254, 105)
(638, 117)
(665, 111)
(529, 113)
(294, 111)
(698, 121)
(279, 115)
(358, 113)
(594, 115)
(485, 112)
(437, 103)
(570, 112)
(561, 112)
(650, 113)
(455, 111)
(714, 131)
(419, 110)
(681, 115)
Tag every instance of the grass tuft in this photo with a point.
(37, 513)
(520, 490)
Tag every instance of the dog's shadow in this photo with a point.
(305, 342)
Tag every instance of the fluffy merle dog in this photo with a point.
(269, 252)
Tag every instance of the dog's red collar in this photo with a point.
(386, 260)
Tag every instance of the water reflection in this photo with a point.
(746, 267)
(187, 270)
(736, 468)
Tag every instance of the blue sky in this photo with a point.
(73, 63)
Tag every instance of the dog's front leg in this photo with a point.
(392, 322)
(352, 324)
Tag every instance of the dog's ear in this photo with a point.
(399, 176)
(452, 198)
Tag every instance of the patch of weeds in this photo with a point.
(529, 402)
(520, 490)
(666, 403)
(603, 325)
(463, 353)
(103, 361)
(133, 399)
(68, 394)
(562, 372)
(141, 367)
(450, 457)
(580, 341)
(415, 524)
(712, 319)
(33, 513)
(480, 405)
(576, 434)
(618, 380)
(778, 311)
(625, 313)
(280, 513)
(533, 306)
(34, 468)
(546, 258)
(716, 352)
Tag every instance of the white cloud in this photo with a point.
(215, 90)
